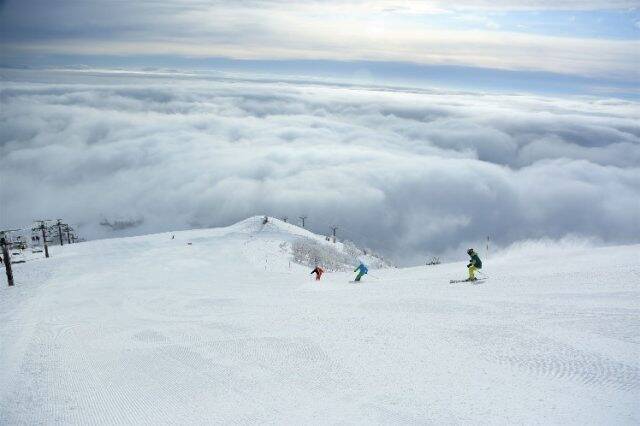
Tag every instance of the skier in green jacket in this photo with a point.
(474, 264)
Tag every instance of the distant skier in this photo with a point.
(361, 270)
(318, 271)
(474, 264)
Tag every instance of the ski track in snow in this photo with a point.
(545, 357)
(150, 330)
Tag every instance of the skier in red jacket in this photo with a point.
(318, 271)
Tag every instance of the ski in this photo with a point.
(467, 281)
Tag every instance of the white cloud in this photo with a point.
(410, 173)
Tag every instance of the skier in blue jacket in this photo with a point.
(361, 270)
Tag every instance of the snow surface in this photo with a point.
(152, 330)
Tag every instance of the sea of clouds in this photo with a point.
(410, 173)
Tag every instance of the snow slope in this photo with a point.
(152, 330)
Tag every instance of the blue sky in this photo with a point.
(621, 24)
(563, 46)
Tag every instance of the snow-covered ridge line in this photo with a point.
(274, 241)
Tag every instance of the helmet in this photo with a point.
(469, 251)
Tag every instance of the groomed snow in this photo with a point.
(152, 330)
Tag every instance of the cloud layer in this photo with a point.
(410, 173)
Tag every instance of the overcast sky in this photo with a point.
(594, 42)
(416, 127)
